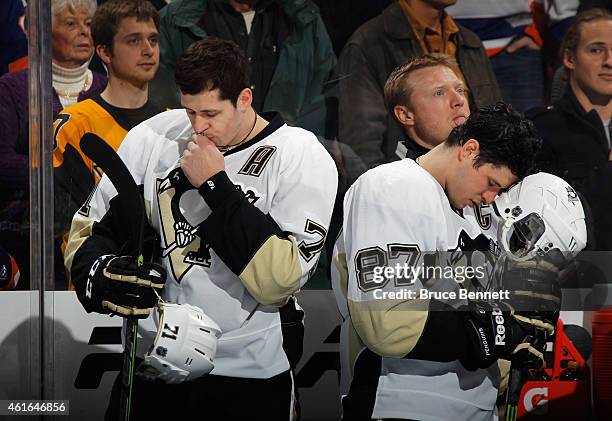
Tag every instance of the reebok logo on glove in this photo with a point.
(500, 337)
(503, 334)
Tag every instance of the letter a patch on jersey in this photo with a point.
(258, 160)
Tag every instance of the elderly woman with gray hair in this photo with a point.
(72, 49)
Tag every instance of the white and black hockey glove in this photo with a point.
(117, 285)
(496, 331)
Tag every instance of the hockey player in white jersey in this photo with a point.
(411, 359)
(241, 203)
(538, 221)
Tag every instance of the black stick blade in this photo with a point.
(107, 159)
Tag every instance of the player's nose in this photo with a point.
(489, 196)
(200, 124)
(457, 100)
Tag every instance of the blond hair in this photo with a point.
(398, 87)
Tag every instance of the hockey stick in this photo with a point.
(513, 395)
(129, 196)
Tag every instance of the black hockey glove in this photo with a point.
(495, 331)
(117, 285)
(533, 285)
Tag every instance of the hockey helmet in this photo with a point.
(540, 214)
(185, 345)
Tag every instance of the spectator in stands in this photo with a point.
(126, 38)
(13, 41)
(96, 64)
(289, 51)
(428, 99)
(514, 34)
(72, 48)
(405, 29)
(576, 129)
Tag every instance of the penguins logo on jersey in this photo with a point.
(184, 248)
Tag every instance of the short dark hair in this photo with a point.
(506, 138)
(397, 89)
(572, 36)
(105, 22)
(212, 63)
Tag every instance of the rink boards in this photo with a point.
(86, 354)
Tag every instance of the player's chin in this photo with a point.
(457, 203)
(144, 75)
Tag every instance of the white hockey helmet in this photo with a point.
(540, 214)
(185, 344)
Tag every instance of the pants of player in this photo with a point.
(210, 398)
(358, 405)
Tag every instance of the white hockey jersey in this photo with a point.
(238, 255)
(398, 214)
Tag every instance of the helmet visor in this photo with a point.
(522, 236)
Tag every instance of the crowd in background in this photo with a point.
(323, 65)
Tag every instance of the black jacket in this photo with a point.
(576, 149)
(413, 149)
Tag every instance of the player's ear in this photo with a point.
(469, 150)
(105, 54)
(568, 59)
(403, 115)
(245, 99)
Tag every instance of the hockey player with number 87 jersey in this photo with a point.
(404, 356)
